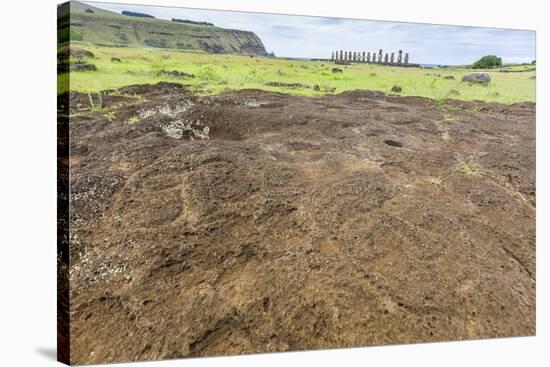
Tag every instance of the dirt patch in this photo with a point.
(75, 66)
(176, 74)
(65, 52)
(287, 85)
(300, 223)
(526, 70)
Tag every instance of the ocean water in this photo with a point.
(433, 66)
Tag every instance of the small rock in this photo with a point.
(454, 92)
(396, 89)
(449, 77)
(316, 88)
(481, 78)
(337, 70)
(115, 59)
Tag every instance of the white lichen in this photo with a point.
(252, 102)
(167, 109)
(176, 128)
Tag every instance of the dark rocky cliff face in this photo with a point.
(222, 41)
(253, 44)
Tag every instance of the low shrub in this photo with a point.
(487, 62)
(135, 14)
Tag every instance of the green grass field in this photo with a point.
(217, 73)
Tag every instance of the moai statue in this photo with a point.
(354, 56)
(392, 58)
(364, 56)
(368, 56)
(406, 58)
(380, 56)
(399, 56)
(332, 56)
(386, 58)
(345, 56)
(341, 55)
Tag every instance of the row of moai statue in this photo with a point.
(379, 58)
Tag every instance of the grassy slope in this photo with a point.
(215, 73)
(106, 27)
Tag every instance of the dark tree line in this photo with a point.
(134, 14)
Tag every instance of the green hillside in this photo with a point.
(85, 23)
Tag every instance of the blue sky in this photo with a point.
(316, 37)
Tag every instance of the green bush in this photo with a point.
(487, 62)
